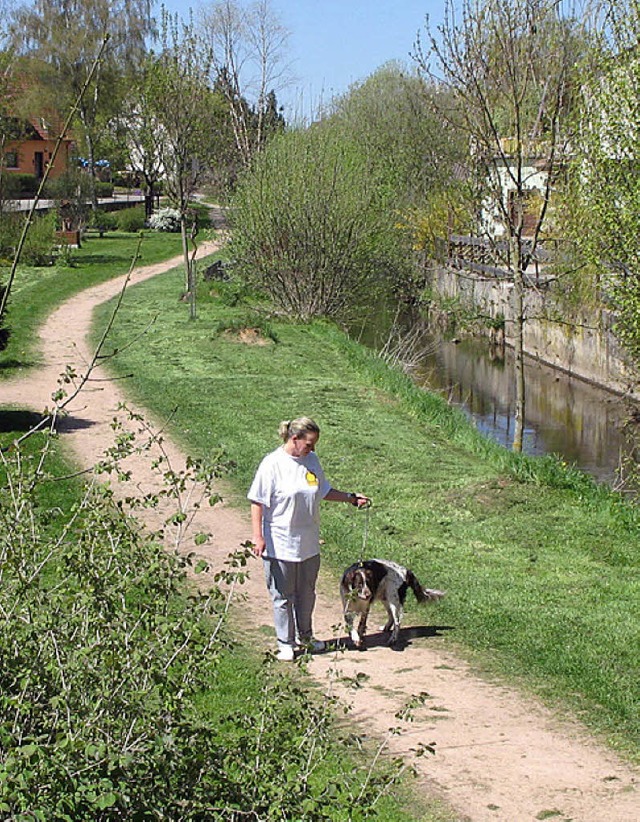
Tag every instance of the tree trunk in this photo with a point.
(93, 188)
(189, 268)
(148, 200)
(185, 251)
(518, 344)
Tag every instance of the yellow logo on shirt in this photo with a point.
(311, 478)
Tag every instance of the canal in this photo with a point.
(581, 423)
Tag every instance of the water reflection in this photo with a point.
(581, 423)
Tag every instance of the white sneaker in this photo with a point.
(312, 645)
(285, 653)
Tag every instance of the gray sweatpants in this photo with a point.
(292, 586)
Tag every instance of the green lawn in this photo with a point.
(540, 566)
(36, 291)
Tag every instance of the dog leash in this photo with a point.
(365, 534)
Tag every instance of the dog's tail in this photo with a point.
(422, 594)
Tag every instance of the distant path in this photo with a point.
(499, 756)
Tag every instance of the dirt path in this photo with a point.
(499, 756)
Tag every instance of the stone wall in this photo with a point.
(586, 348)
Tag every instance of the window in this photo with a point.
(11, 159)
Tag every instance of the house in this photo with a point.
(533, 170)
(32, 152)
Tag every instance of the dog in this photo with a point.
(379, 580)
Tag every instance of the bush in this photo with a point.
(20, 185)
(102, 657)
(313, 228)
(131, 219)
(9, 188)
(104, 189)
(40, 243)
(103, 221)
(8, 237)
(167, 219)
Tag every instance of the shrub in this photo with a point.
(167, 219)
(131, 219)
(313, 228)
(20, 185)
(104, 189)
(7, 236)
(102, 656)
(40, 242)
(103, 221)
(9, 188)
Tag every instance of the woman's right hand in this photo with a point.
(259, 545)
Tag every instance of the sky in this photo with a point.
(334, 43)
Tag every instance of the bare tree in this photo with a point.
(248, 47)
(7, 120)
(509, 66)
(178, 101)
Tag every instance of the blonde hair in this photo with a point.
(295, 428)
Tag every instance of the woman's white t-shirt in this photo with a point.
(289, 490)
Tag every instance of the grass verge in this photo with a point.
(539, 563)
(37, 291)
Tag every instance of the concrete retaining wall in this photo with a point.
(585, 348)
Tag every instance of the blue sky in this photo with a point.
(334, 43)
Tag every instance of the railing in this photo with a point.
(492, 258)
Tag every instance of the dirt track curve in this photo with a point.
(499, 756)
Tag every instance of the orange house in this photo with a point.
(33, 152)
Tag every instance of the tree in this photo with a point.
(607, 166)
(312, 227)
(63, 39)
(392, 116)
(9, 125)
(247, 45)
(179, 102)
(141, 133)
(509, 67)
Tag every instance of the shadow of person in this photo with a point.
(19, 421)
(68, 423)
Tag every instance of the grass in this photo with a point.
(540, 564)
(37, 291)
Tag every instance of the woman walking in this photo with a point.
(285, 500)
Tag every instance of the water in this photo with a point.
(584, 425)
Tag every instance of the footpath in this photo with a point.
(498, 755)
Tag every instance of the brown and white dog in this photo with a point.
(379, 580)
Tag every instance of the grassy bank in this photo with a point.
(37, 291)
(540, 565)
